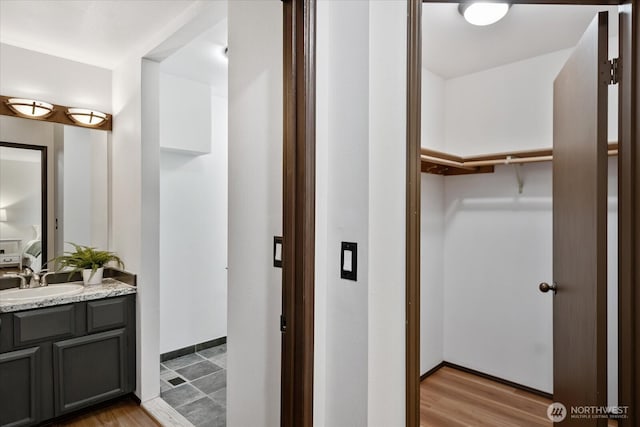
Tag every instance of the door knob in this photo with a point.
(545, 287)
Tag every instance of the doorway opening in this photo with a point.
(487, 232)
(185, 105)
(193, 226)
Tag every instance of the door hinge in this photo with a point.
(283, 323)
(614, 71)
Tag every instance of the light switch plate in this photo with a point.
(349, 261)
(277, 251)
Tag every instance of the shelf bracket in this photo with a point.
(517, 167)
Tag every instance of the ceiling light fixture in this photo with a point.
(30, 108)
(84, 117)
(483, 13)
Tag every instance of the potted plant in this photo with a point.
(90, 261)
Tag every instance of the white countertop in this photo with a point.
(108, 288)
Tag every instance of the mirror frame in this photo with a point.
(44, 237)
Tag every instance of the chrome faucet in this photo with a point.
(22, 277)
(31, 279)
(34, 278)
(43, 277)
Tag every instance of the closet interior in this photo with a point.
(487, 229)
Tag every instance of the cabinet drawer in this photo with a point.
(9, 259)
(43, 324)
(106, 314)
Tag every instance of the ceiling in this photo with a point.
(202, 59)
(452, 47)
(103, 32)
(96, 32)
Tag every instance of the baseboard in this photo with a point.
(192, 349)
(431, 371)
(487, 376)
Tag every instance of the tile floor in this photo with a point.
(196, 386)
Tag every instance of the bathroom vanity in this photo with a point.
(63, 347)
(64, 353)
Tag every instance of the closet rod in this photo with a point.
(471, 165)
(509, 161)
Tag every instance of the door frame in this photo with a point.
(299, 186)
(628, 202)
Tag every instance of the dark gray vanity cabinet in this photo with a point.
(20, 387)
(89, 369)
(56, 360)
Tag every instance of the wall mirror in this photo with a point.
(66, 169)
(23, 201)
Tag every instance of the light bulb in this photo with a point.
(483, 13)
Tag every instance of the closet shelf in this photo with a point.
(439, 163)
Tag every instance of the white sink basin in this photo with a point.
(21, 295)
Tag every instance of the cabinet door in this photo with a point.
(89, 369)
(19, 387)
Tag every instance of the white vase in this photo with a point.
(95, 279)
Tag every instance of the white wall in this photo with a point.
(432, 227)
(497, 249)
(85, 187)
(387, 212)
(433, 111)
(432, 272)
(193, 238)
(255, 212)
(360, 327)
(322, 256)
(345, 127)
(505, 108)
(185, 114)
(126, 193)
(510, 107)
(25, 73)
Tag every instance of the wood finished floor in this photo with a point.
(452, 398)
(123, 413)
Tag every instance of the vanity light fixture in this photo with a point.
(3, 215)
(84, 117)
(30, 108)
(483, 13)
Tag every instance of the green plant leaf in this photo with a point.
(83, 258)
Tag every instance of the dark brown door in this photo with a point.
(579, 225)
